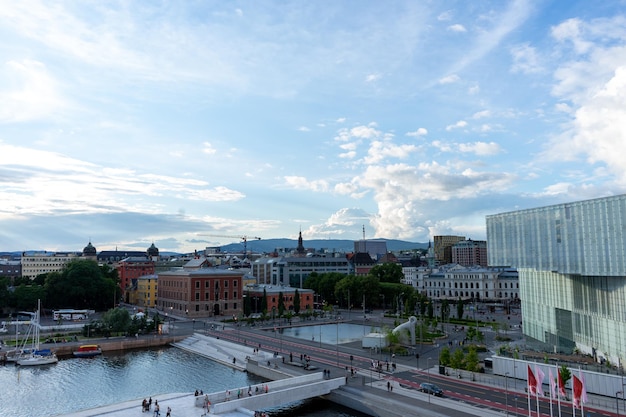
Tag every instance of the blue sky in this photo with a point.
(131, 122)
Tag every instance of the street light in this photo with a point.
(428, 371)
(617, 401)
(506, 392)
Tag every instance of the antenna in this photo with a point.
(363, 232)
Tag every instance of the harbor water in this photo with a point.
(74, 384)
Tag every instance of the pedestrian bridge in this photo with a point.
(245, 400)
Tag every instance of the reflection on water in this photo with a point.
(75, 384)
(330, 333)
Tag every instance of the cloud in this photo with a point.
(419, 132)
(208, 148)
(481, 148)
(457, 28)
(450, 79)
(373, 77)
(344, 221)
(380, 150)
(481, 114)
(35, 94)
(304, 129)
(458, 125)
(301, 183)
(525, 59)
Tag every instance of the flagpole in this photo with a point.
(558, 388)
(528, 373)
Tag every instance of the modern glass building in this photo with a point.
(571, 260)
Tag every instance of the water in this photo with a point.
(75, 384)
(330, 333)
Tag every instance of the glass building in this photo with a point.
(571, 260)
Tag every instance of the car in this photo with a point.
(432, 389)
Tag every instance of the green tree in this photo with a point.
(264, 302)
(565, 374)
(445, 310)
(459, 308)
(27, 296)
(472, 360)
(281, 304)
(296, 302)
(387, 272)
(444, 356)
(117, 320)
(458, 359)
(6, 296)
(431, 310)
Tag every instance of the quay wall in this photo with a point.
(115, 344)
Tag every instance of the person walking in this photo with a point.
(169, 412)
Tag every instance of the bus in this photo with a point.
(70, 314)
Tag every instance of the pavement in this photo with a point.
(366, 382)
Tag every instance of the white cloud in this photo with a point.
(208, 148)
(419, 132)
(379, 150)
(373, 77)
(447, 15)
(301, 183)
(525, 59)
(35, 94)
(481, 148)
(572, 31)
(473, 90)
(304, 129)
(457, 28)
(458, 125)
(481, 114)
(450, 79)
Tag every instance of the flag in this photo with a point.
(583, 394)
(552, 384)
(561, 385)
(532, 382)
(578, 390)
(540, 376)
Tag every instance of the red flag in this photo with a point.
(532, 382)
(540, 376)
(552, 384)
(578, 391)
(561, 385)
(583, 394)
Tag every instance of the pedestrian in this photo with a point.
(169, 412)
(157, 410)
(388, 385)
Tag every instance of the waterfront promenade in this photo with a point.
(401, 401)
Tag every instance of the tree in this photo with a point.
(565, 374)
(281, 304)
(296, 302)
(387, 272)
(445, 310)
(117, 320)
(458, 359)
(444, 356)
(472, 360)
(459, 308)
(431, 310)
(264, 302)
(27, 296)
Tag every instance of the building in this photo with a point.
(131, 268)
(294, 270)
(443, 248)
(113, 256)
(37, 263)
(272, 294)
(200, 292)
(470, 253)
(571, 260)
(10, 269)
(143, 291)
(361, 263)
(453, 281)
(376, 248)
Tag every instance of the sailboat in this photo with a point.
(36, 355)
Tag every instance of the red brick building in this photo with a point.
(200, 292)
(132, 268)
(272, 292)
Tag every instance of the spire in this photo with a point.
(300, 248)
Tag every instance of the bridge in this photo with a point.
(245, 400)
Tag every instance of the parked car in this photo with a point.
(432, 389)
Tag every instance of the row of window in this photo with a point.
(217, 284)
(471, 294)
(470, 284)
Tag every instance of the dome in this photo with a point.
(89, 250)
(153, 250)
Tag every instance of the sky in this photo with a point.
(195, 123)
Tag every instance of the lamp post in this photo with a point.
(506, 393)
(428, 372)
(617, 401)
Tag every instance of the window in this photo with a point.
(225, 284)
(225, 295)
(234, 294)
(235, 285)
(197, 284)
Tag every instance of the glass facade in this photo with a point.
(571, 260)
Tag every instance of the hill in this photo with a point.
(332, 245)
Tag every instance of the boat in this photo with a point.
(37, 356)
(86, 351)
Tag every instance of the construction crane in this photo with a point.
(244, 238)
